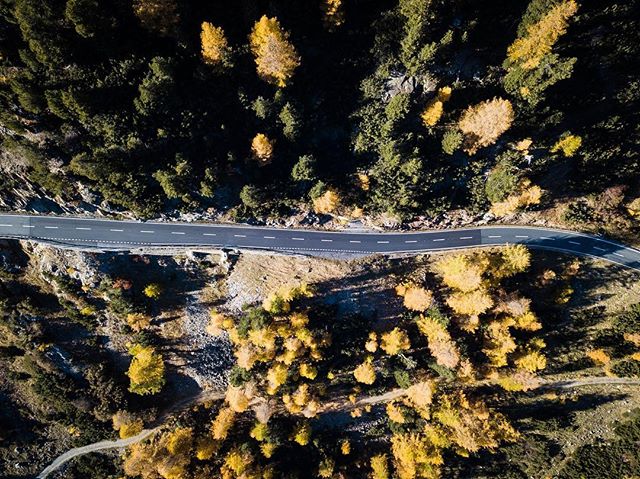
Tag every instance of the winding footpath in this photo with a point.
(113, 235)
(382, 398)
(122, 443)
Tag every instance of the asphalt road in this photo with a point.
(126, 235)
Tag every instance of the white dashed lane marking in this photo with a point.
(208, 234)
(146, 231)
(297, 239)
(383, 242)
(495, 236)
(522, 236)
(51, 227)
(269, 237)
(599, 249)
(240, 236)
(466, 237)
(354, 241)
(546, 238)
(411, 241)
(7, 226)
(618, 254)
(116, 230)
(326, 241)
(83, 228)
(178, 233)
(439, 239)
(574, 242)
(28, 226)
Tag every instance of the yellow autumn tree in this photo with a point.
(365, 372)
(459, 272)
(262, 148)
(527, 195)
(276, 58)
(326, 203)
(214, 45)
(435, 108)
(420, 396)
(528, 51)
(471, 303)
(152, 290)
(379, 467)
(394, 412)
(516, 259)
(138, 321)
(416, 298)
(167, 457)
(498, 343)
(302, 433)
(599, 356)
(394, 341)
(127, 424)
(146, 371)
(206, 448)
(483, 123)
(439, 341)
(237, 398)
(222, 423)
(568, 145)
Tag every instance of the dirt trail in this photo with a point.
(122, 443)
(380, 398)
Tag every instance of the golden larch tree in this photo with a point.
(529, 50)
(395, 341)
(327, 202)
(439, 341)
(379, 467)
(146, 371)
(276, 58)
(214, 44)
(262, 148)
(483, 123)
